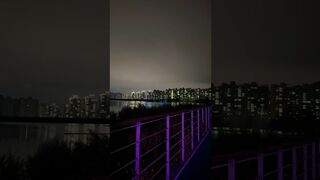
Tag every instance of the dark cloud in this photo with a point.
(52, 49)
(160, 44)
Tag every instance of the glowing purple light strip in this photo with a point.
(137, 160)
(294, 163)
(260, 167)
(198, 125)
(194, 147)
(231, 170)
(280, 165)
(202, 116)
(182, 136)
(192, 131)
(206, 133)
(314, 161)
(209, 117)
(168, 148)
(206, 117)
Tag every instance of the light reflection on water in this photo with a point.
(116, 105)
(23, 139)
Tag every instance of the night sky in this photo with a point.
(268, 41)
(158, 44)
(51, 49)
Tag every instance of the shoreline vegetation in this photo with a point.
(57, 160)
(130, 114)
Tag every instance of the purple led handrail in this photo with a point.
(303, 172)
(137, 160)
(294, 163)
(182, 136)
(231, 170)
(260, 167)
(192, 138)
(147, 150)
(168, 148)
(198, 117)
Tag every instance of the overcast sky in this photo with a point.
(160, 44)
(51, 49)
(268, 41)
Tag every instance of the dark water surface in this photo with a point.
(23, 138)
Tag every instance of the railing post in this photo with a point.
(198, 125)
(192, 131)
(202, 117)
(137, 160)
(231, 170)
(202, 120)
(182, 136)
(280, 165)
(207, 108)
(294, 163)
(314, 161)
(207, 118)
(210, 116)
(305, 162)
(260, 167)
(168, 148)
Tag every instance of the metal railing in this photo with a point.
(297, 162)
(159, 148)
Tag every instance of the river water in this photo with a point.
(23, 139)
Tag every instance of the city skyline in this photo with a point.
(75, 106)
(232, 92)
